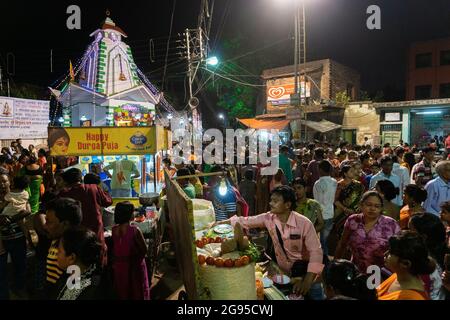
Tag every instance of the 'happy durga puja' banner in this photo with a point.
(89, 141)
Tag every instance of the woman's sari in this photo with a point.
(35, 194)
(350, 196)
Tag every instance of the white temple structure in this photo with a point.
(106, 88)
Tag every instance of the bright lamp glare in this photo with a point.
(213, 61)
(429, 112)
(223, 188)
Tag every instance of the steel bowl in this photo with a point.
(148, 199)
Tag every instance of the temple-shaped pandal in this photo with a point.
(106, 88)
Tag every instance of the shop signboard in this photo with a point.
(101, 141)
(284, 94)
(281, 95)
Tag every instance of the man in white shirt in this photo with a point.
(403, 174)
(324, 191)
(386, 174)
(438, 189)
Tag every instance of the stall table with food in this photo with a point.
(221, 262)
(233, 267)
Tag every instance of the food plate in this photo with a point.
(223, 228)
(281, 279)
(267, 282)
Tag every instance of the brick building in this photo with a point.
(428, 70)
(324, 79)
(426, 112)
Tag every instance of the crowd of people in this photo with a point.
(332, 214)
(52, 210)
(361, 205)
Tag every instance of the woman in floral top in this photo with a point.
(367, 234)
(310, 208)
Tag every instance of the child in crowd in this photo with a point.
(17, 201)
(129, 250)
(343, 281)
(80, 247)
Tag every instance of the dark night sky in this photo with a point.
(335, 29)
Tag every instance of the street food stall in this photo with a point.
(219, 263)
(130, 156)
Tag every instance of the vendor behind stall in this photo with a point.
(124, 171)
(296, 245)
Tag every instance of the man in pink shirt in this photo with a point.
(299, 241)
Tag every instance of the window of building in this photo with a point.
(423, 92)
(444, 90)
(423, 60)
(445, 58)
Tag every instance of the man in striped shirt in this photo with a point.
(61, 214)
(222, 195)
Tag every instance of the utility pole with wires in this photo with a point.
(299, 97)
(195, 51)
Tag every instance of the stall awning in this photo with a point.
(321, 126)
(264, 124)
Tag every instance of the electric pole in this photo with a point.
(195, 49)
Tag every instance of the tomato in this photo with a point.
(237, 263)
(201, 259)
(219, 262)
(229, 263)
(218, 240)
(244, 260)
(199, 243)
(205, 241)
(210, 240)
(210, 261)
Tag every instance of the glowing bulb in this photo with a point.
(213, 61)
(223, 187)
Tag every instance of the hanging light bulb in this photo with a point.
(223, 187)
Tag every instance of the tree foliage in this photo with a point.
(237, 90)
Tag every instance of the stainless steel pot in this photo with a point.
(148, 199)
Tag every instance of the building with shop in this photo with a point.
(426, 111)
(318, 116)
(415, 122)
